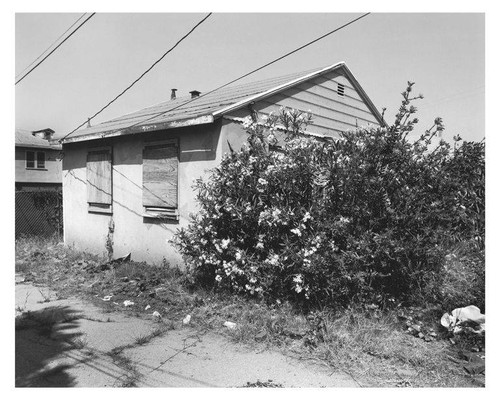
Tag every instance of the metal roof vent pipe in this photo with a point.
(172, 95)
(195, 94)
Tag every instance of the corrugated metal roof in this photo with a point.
(25, 138)
(152, 117)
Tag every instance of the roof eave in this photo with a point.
(39, 146)
(203, 119)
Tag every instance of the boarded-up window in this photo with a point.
(99, 183)
(160, 179)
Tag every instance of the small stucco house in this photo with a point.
(127, 182)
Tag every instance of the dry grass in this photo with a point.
(371, 346)
(374, 350)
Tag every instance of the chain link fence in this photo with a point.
(39, 213)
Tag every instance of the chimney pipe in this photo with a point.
(44, 133)
(194, 94)
(172, 95)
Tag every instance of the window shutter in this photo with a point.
(99, 185)
(160, 176)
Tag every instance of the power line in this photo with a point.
(237, 79)
(59, 45)
(47, 49)
(464, 94)
(140, 77)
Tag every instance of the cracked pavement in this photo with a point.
(72, 343)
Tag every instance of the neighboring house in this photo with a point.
(127, 183)
(38, 163)
(38, 182)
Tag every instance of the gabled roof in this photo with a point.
(185, 111)
(26, 138)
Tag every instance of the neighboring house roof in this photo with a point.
(26, 138)
(206, 108)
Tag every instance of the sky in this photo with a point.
(444, 53)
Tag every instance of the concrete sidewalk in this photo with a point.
(71, 343)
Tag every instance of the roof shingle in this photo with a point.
(205, 105)
(25, 138)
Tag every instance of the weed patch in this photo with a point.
(372, 345)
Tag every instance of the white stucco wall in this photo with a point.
(201, 148)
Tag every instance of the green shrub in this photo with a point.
(367, 217)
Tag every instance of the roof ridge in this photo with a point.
(229, 87)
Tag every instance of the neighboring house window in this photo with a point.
(160, 174)
(99, 183)
(35, 159)
(40, 159)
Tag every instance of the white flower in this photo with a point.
(259, 245)
(247, 122)
(332, 246)
(276, 213)
(296, 231)
(218, 278)
(225, 243)
(307, 253)
(238, 256)
(298, 278)
(262, 181)
(272, 259)
(306, 217)
(344, 220)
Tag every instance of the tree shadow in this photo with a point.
(42, 338)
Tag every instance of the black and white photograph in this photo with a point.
(214, 198)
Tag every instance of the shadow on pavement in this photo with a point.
(41, 338)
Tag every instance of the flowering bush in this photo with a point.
(366, 217)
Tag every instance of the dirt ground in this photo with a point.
(72, 343)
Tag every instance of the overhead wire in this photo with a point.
(59, 45)
(140, 77)
(48, 48)
(234, 80)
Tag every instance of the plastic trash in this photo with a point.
(186, 320)
(230, 325)
(461, 316)
(127, 303)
